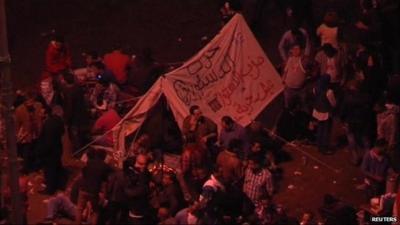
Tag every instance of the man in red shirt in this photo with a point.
(58, 56)
(118, 63)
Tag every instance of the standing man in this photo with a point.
(232, 130)
(204, 129)
(294, 75)
(29, 121)
(51, 149)
(257, 180)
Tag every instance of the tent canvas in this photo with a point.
(230, 76)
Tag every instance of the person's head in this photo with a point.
(30, 96)
(296, 50)
(255, 126)
(218, 173)
(255, 162)
(91, 57)
(195, 111)
(380, 146)
(57, 111)
(58, 41)
(256, 146)
(200, 173)
(97, 67)
(329, 50)
(307, 217)
(163, 213)
(141, 163)
(227, 122)
(329, 200)
(68, 77)
(144, 140)
(168, 178)
(235, 145)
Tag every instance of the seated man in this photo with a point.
(375, 166)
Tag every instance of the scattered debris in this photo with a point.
(298, 173)
(179, 40)
(204, 38)
(316, 167)
(291, 187)
(355, 178)
(334, 182)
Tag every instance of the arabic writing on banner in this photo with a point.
(226, 81)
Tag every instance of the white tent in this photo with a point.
(231, 76)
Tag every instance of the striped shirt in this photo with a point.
(257, 184)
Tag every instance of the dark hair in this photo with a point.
(329, 199)
(299, 37)
(68, 77)
(98, 65)
(58, 38)
(92, 54)
(329, 50)
(193, 108)
(256, 158)
(381, 143)
(227, 119)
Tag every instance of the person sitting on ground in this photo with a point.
(334, 211)
(375, 166)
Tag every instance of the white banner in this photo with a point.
(230, 76)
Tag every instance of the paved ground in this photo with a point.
(159, 24)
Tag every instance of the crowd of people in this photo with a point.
(227, 175)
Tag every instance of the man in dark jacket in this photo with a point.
(137, 191)
(356, 115)
(51, 147)
(75, 108)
